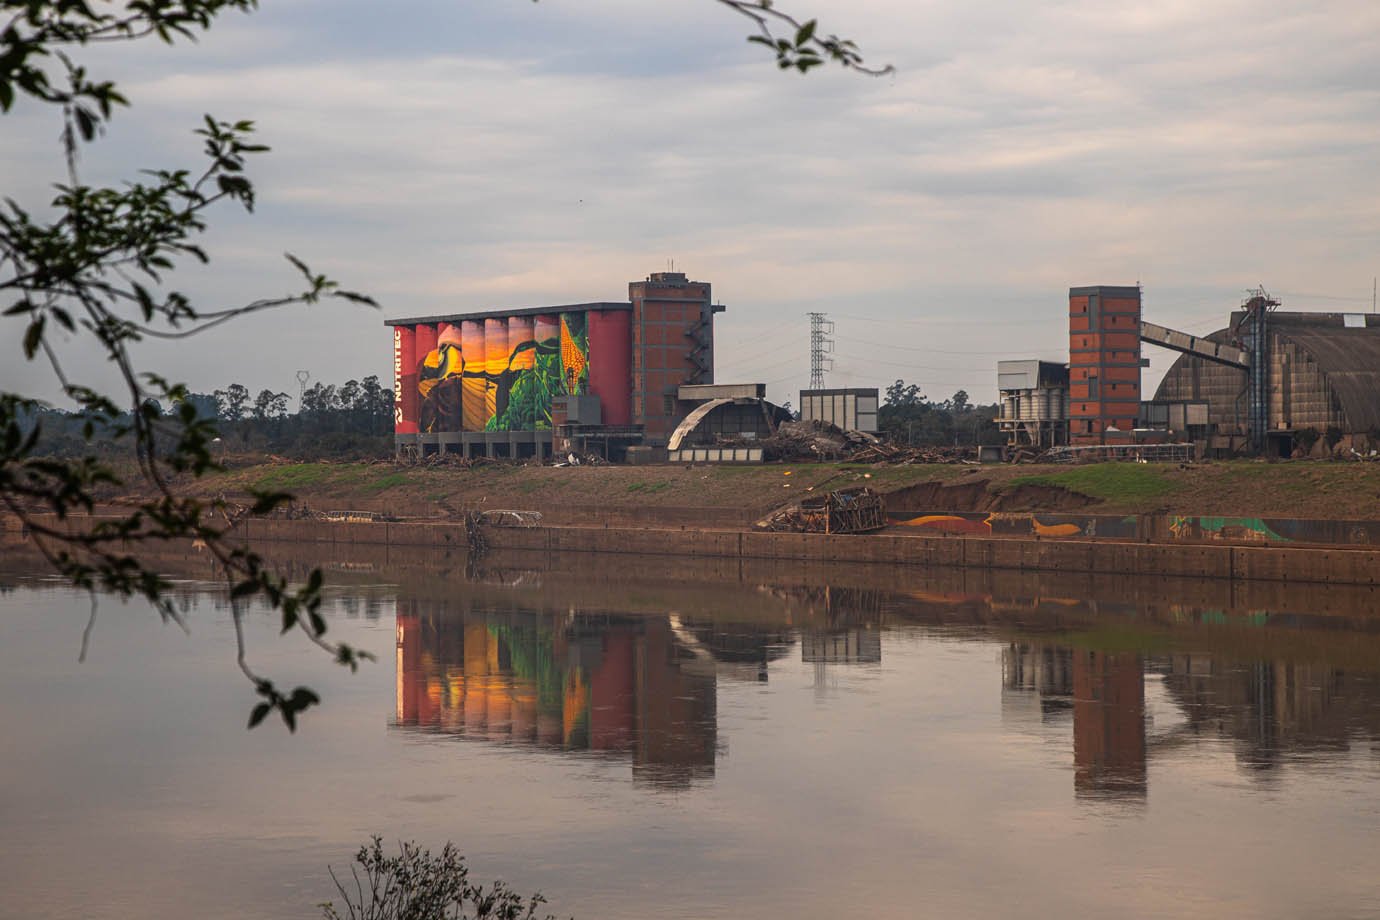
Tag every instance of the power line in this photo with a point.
(936, 351)
(939, 321)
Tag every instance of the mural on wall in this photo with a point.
(1158, 528)
(1226, 529)
(501, 374)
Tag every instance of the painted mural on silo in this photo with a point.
(440, 381)
(517, 403)
(495, 361)
(499, 373)
(574, 354)
(472, 397)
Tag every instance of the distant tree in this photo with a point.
(205, 404)
(269, 405)
(232, 401)
(959, 403)
(899, 395)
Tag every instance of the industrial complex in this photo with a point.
(634, 380)
(1268, 383)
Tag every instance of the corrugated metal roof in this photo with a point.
(1350, 360)
(1348, 356)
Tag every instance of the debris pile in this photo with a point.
(853, 510)
(455, 461)
(882, 452)
(807, 440)
(816, 440)
(573, 459)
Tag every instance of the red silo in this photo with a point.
(610, 369)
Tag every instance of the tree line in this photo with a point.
(349, 420)
(907, 416)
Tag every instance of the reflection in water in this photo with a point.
(645, 687)
(611, 685)
(1274, 710)
(701, 687)
(1271, 711)
(1108, 723)
(641, 687)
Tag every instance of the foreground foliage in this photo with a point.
(94, 264)
(414, 885)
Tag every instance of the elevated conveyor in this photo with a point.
(1174, 340)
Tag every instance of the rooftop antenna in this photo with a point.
(821, 346)
(302, 378)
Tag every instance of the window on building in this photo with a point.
(668, 405)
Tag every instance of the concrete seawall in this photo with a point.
(1318, 565)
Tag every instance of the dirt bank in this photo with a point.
(734, 495)
(979, 495)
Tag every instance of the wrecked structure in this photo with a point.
(857, 509)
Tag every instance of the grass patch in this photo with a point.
(293, 476)
(1117, 482)
(384, 482)
(649, 488)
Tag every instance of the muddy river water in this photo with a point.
(636, 738)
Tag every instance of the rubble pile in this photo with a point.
(881, 452)
(810, 440)
(816, 440)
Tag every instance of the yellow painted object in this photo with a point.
(572, 359)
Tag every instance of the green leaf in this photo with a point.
(244, 589)
(33, 336)
(805, 33)
(259, 713)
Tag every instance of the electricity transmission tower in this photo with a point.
(302, 378)
(821, 346)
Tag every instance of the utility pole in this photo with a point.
(821, 346)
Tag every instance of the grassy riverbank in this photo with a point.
(1305, 490)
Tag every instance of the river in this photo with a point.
(641, 737)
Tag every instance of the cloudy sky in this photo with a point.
(456, 155)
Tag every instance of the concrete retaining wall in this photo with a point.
(1269, 563)
(1317, 565)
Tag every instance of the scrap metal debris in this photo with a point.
(856, 509)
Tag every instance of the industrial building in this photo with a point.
(1104, 364)
(1316, 373)
(520, 382)
(1033, 403)
(1270, 382)
(850, 408)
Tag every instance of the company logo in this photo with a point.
(397, 377)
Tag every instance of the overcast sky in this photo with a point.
(457, 155)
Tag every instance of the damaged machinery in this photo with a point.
(853, 510)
